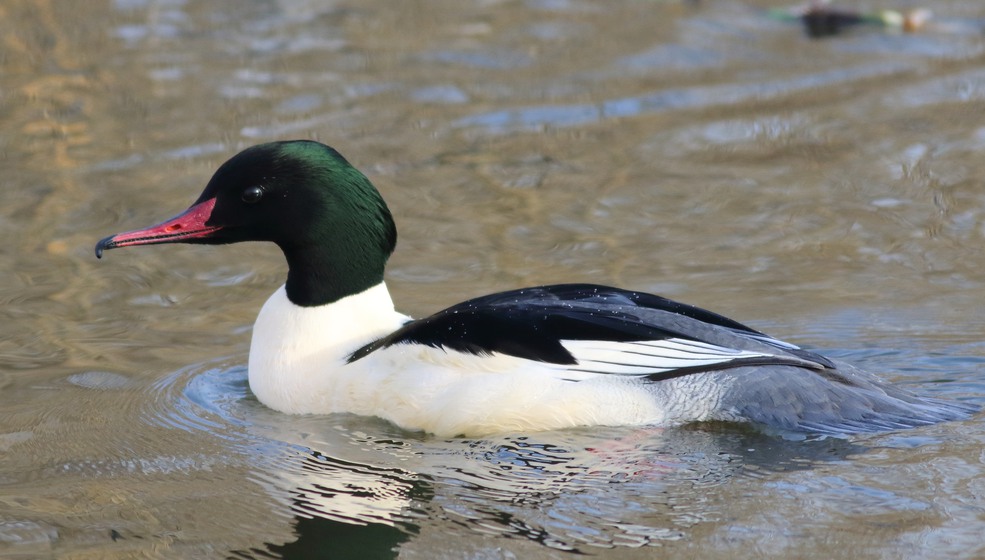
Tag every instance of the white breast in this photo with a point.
(298, 354)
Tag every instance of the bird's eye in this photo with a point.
(253, 194)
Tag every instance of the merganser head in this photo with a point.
(327, 217)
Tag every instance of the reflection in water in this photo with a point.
(351, 492)
(349, 488)
(324, 538)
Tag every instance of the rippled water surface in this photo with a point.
(829, 191)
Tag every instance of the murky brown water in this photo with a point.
(830, 192)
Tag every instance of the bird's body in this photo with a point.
(539, 358)
(427, 386)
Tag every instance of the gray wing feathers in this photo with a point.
(847, 400)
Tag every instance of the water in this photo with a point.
(826, 191)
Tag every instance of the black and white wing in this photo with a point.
(593, 330)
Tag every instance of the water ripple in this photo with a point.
(537, 117)
(572, 490)
(566, 490)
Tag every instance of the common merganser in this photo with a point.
(329, 340)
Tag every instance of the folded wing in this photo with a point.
(597, 330)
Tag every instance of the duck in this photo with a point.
(329, 340)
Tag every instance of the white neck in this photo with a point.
(296, 350)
